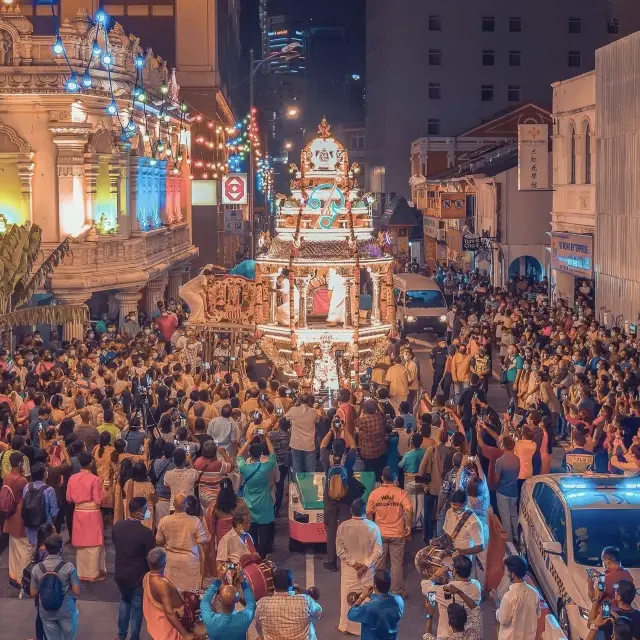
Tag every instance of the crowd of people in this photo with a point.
(184, 463)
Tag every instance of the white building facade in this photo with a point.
(573, 218)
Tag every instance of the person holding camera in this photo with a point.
(303, 417)
(257, 488)
(609, 616)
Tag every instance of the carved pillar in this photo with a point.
(72, 330)
(124, 200)
(128, 300)
(114, 187)
(175, 282)
(70, 139)
(25, 171)
(303, 289)
(375, 301)
(133, 192)
(348, 282)
(273, 298)
(91, 168)
(154, 291)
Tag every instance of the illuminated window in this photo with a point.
(574, 59)
(435, 91)
(515, 25)
(488, 23)
(513, 93)
(435, 57)
(486, 93)
(433, 127)
(575, 26)
(488, 58)
(435, 23)
(515, 58)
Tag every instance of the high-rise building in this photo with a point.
(434, 68)
(282, 32)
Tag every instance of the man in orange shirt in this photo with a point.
(392, 511)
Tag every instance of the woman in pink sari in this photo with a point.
(85, 491)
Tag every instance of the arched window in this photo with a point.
(587, 154)
(572, 160)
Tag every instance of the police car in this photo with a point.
(565, 522)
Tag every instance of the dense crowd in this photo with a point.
(185, 463)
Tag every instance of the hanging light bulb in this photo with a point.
(152, 162)
(183, 106)
(71, 85)
(142, 97)
(95, 49)
(180, 157)
(139, 62)
(175, 171)
(131, 125)
(191, 176)
(112, 108)
(146, 137)
(86, 79)
(168, 151)
(101, 16)
(167, 117)
(205, 176)
(164, 88)
(160, 145)
(199, 118)
(58, 47)
(107, 59)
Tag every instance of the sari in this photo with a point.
(133, 489)
(106, 473)
(218, 524)
(119, 503)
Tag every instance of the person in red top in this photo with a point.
(346, 411)
(613, 573)
(20, 551)
(166, 323)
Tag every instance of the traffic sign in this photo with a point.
(234, 189)
(233, 222)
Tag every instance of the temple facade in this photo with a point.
(103, 162)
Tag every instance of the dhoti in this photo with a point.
(349, 582)
(20, 555)
(91, 563)
(162, 510)
(184, 571)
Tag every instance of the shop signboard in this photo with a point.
(533, 157)
(572, 253)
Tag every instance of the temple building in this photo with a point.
(94, 147)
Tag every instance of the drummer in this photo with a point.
(237, 544)
(463, 526)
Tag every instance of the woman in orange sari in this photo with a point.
(219, 521)
(124, 472)
(102, 456)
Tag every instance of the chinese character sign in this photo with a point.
(533, 157)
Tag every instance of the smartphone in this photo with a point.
(231, 566)
(606, 609)
(601, 579)
(279, 411)
(431, 598)
(260, 432)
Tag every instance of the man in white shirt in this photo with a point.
(519, 608)
(303, 435)
(225, 431)
(359, 547)
(235, 544)
(463, 526)
(461, 579)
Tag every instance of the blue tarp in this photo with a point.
(247, 268)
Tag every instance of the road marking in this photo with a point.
(310, 569)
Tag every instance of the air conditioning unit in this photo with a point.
(442, 235)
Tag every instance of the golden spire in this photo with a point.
(324, 128)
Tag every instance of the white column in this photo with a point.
(176, 280)
(303, 286)
(154, 291)
(72, 330)
(375, 300)
(273, 299)
(128, 300)
(347, 301)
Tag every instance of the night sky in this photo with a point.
(330, 66)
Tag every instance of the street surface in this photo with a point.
(98, 603)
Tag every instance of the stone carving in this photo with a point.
(6, 48)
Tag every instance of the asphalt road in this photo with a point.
(98, 602)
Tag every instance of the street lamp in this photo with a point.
(288, 145)
(292, 112)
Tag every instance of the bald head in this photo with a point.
(179, 502)
(227, 597)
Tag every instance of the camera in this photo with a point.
(263, 397)
(255, 415)
(279, 411)
(260, 432)
(431, 598)
(337, 423)
(231, 566)
(339, 353)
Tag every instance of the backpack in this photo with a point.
(50, 590)
(338, 481)
(34, 507)
(8, 502)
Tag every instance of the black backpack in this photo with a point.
(50, 591)
(34, 512)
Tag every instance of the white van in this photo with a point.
(421, 307)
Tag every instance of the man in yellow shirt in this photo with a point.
(398, 381)
(392, 511)
(460, 371)
(108, 425)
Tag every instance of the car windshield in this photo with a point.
(594, 529)
(425, 299)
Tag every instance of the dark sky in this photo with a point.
(329, 66)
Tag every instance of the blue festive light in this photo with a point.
(107, 59)
(131, 126)
(112, 108)
(95, 49)
(58, 47)
(139, 62)
(86, 80)
(101, 17)
(71, 85)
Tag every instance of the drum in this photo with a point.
(260, 577)
(430, 559)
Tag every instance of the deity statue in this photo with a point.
(194, 294)
(325, 370)
(6, 48)
(283, 314)
(336, 285)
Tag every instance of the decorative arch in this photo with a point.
(102, 177)
(16, 163)
(586, 134)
